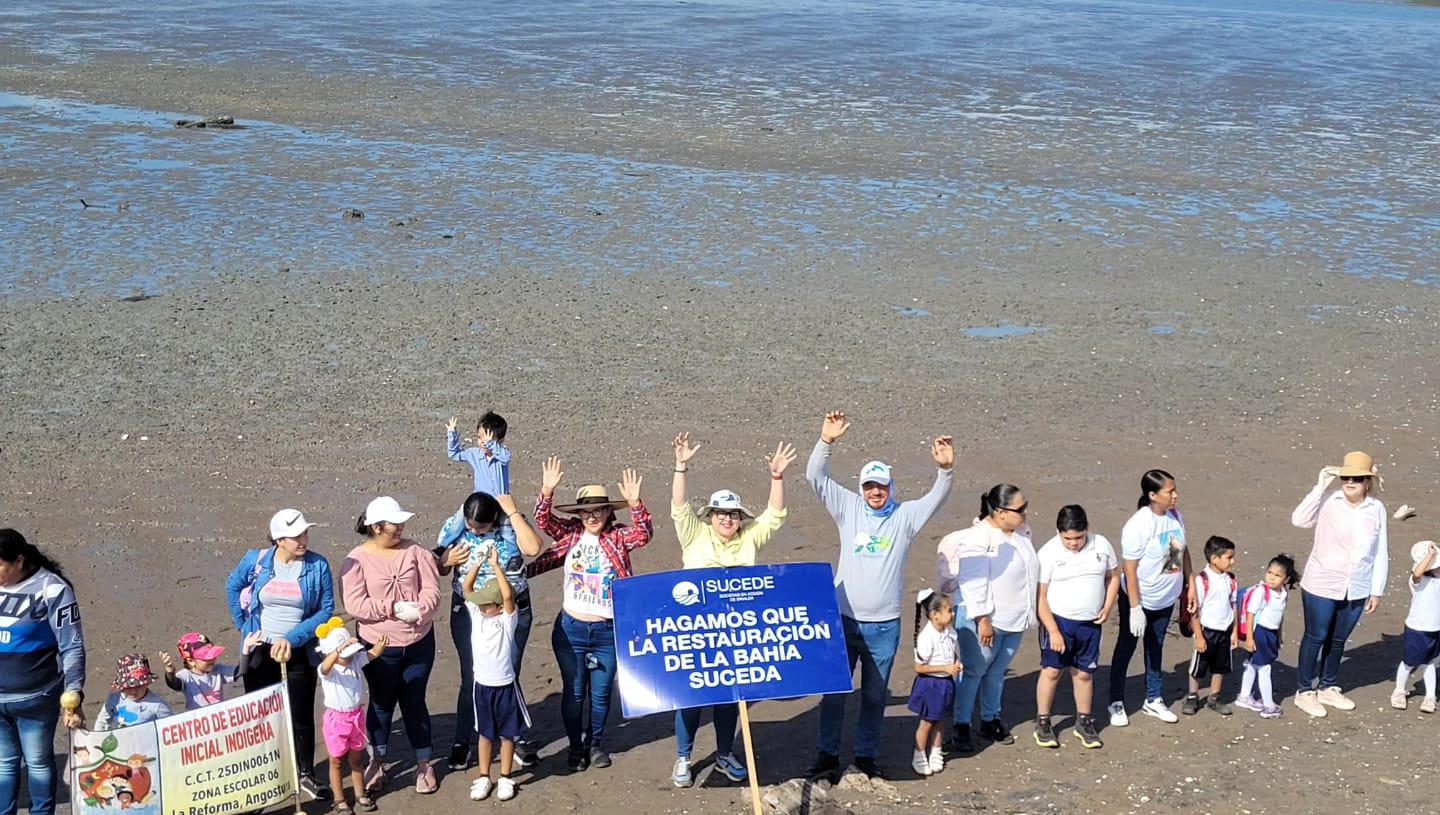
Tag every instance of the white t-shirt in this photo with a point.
(1077, 579)
(205, 689)
(934, 647)
(587, 579)
(491, 639)
(1157, 541)
(1424, 604)
(1268, 613)
(344, 686)
(1216, 603)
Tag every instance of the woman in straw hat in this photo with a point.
(1344, 577)
(724, 534)
(595, 551)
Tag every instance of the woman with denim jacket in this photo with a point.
(285, 592)
(594, 551)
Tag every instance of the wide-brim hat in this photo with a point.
(1418, 553)
(726, 500)
(592, 496)
(132, 671)
(1357, 464)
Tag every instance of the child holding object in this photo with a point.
(1215, 636)
(343, 687)
(1262, 610)
(500, 713)
(937, 663)
(1079, 583)
(1422, 626)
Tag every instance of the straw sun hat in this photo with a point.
(1357, 464)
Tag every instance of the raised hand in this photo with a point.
(550, 475)
(167, 662)
(451, 425)
(943, 451)
(495, 559)
(783, 457)
(630, 486)
(833, 427)
(684, 450)
(483, 436)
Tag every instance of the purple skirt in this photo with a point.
(932, 697)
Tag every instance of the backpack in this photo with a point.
(247, 594)
(1242, 630)
(1186, 618)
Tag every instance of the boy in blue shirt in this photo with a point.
(489, 459)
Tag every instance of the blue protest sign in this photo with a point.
(708, 636)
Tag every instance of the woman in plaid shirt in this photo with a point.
(595, 551)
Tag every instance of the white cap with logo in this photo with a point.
(288, 523)
(875, 471)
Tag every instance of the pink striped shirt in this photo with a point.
(1351, 556)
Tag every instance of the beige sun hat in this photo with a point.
(591, 496)
(1357, 464)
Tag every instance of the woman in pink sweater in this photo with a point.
(391, 587)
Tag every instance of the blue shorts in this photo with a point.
(1082, 645)
(500, 713)
(1420, 647)
(1267, 646)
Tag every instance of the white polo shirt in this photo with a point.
(1269, 613)
(1216, 603)
(1076, 579)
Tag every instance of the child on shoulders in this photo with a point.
(489, 459)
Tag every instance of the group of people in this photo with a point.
(992, 586)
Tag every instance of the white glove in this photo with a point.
(407, 612)
(1137, 622)
(1327, 474)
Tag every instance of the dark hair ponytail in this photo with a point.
(1072, 519)
(482, 508)
(996, 498)
(362, 528)
(1292, 576)
(13, 547)
(924, 605)
(1152, 481)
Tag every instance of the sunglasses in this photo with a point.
(1354, 479)
(726, 513)
(1020, 510)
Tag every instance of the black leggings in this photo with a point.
(263, 671)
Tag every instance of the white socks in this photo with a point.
(1248, 681)
(1402, 679)
(1430, 681)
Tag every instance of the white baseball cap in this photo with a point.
(386, 509)
(876, 471)
(726, 500)
(288, 523)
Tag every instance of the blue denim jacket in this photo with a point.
(316, 587)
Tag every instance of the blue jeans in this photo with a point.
(400, 675)
(985, 668)
(1155, 624)
(27, 729)
(1328, 624)
(687, 723)
(874, 646)
(465, 734)
(585, 652)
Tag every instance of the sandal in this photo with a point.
(341, 808)
(365, 804)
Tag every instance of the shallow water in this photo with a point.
(1299, 127)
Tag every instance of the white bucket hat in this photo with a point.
(726, 500)
(288, 523)
(1419, 551)
(386, 509)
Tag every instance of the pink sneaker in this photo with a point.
(1270, 712)
(1249, 703)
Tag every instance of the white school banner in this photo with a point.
(230, 757)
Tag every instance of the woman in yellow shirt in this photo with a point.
(723, 534)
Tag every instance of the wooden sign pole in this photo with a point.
(750, 758)
(285, 685)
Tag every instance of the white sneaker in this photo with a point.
(937, 760)
(1399, 700)
(1118, 717)
(680, 775)
(505, 789)
(1427, 705)
(480, 789)
(920, 763)
(1158, 709)
(1306, 700)
(1334, 698)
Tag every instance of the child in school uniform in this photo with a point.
(1079, 582)
(132, 702)
(1262, 612)
(489, 459)
(1214, 592)
(1421, 641)
(500, 714)
(937, 663)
